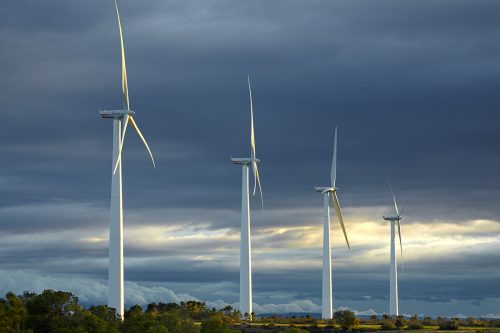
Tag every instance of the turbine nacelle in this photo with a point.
(388, 218)
(324, 189)
(244, 161)
(115, 114)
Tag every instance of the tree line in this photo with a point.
(60, 312)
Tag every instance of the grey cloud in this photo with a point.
(47, 218)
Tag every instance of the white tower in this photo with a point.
(393, 295)
(120, 118)
(326, 290)
(245, 242)
(329, 192)
(393, 272)
(246, 248)
(115, 269)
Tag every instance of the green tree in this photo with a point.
(81, 320)
(177, 322)
(12, 313)
(137, 321)
(400, 322)
(428, 321)
(228, 309)
(47, 308)
(473, 322)
(107, 314)
(213, 324)
(346, 319)
(448, 324)
(216, 324)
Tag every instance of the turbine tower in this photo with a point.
(121, 118)
(327, 307)
(245, 250)
(393, 273)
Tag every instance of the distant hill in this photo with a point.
(301, 314)
(290, 314)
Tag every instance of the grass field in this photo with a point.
(374, 327)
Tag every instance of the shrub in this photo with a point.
(400, 322)
(415, 326)
(387, 326)
(293, 330)
(448, 324)
(428, 321)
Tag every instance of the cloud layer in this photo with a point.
(411, 86)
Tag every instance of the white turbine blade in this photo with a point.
(257, 179)
(252, 146)
(401, 244)
(400, 241)
(336, 205)
(334, 161)
(394, 197)
(126, 103)
(252, 135)
(118, 160)
(134, 125)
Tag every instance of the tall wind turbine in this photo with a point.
(393, 277)
(121, 118)
(245, 251)
(330, 192)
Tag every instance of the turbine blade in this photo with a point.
(134, 125)
(336, 205)
(401, 244)
(119, 159)
(126, 103)
(400, 241)
(252, 135)
(334, 161)
(257, 179)
(394, 197)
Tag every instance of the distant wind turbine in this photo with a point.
(393, 277)
(327, 306)
(121, 118)
(245, 251)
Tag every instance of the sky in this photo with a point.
(411, 85)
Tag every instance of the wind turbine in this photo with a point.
(121, 118)
(327, 307)
(245, 250)
(393, 274)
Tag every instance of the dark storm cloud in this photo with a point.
(411, 85)
(213, 123)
